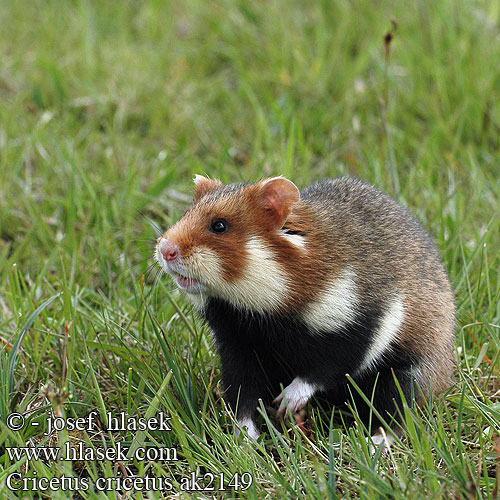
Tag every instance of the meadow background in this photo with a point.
(108, 109)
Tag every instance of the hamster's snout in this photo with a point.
(168, 250)
(168, 256)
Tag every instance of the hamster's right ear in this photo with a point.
(276, 196)
(203, 185)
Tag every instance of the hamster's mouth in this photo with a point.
(187, 284)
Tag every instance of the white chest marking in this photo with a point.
(263, 285)
(296, 395)
(336, 305)
(386, 332)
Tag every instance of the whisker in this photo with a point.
(153, 274)
(136, 256)
(128, 268)
(152, 243)
(149, 271)
(152, 223)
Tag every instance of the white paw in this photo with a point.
(247, 423)
(295, 396)
(380, 439)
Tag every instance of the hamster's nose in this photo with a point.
(169, 250)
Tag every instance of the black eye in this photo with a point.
(219, 226)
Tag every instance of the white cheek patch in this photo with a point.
(205, 265)
(386, 332)
(295, 239)
(263, 286)
(336, 306)
(296, 395)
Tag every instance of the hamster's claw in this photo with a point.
(293, 397)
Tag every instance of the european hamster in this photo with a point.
(300, 288)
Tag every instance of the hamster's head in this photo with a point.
(233, 243)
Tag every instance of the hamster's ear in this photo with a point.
(202, 186)
(277, 196)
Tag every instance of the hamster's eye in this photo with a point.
(219, 226)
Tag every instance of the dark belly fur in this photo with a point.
(260, 354)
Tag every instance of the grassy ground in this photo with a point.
(107, 110)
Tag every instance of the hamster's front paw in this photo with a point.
(295, 396)
(380, 439)
(250, 428)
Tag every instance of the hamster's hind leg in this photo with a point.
(381, 389)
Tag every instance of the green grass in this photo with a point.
(108, 109)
